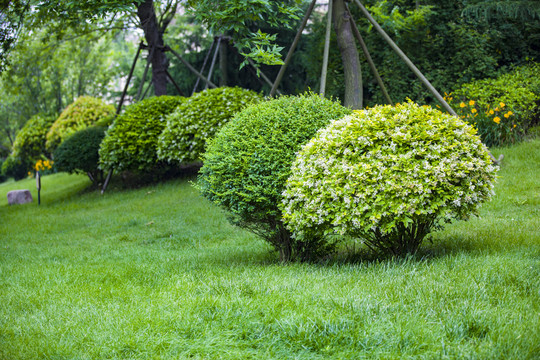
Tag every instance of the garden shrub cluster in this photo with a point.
(80, 153)
(198, 119)
(82, 113)
(130, 143)
(502, 109)
(389, 176)
(30, 141)
(247, 164)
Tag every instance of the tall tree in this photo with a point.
(349, 55)
(151, 16)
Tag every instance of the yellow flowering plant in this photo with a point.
(44, 166)
(496, 124)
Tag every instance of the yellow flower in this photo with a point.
(497, 119)
(501, 104)
(491, 112)
(508, 114)
(462, 105)
(473, 110)
(471, 103)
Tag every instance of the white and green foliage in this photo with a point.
(388, 175)
(198, 119)
(247, 163)
(82, 113)
(131, 141)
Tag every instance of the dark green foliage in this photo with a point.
(247, 163)
(15, 167)
(198, 119)
(30, 141)
(449, 48)
(79, 153)
(131, 141)
(2, 176)
(82, 113)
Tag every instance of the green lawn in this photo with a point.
(158, 273)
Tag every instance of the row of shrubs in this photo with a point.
(304, 172)
(147, 136)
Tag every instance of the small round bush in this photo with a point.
(131, 141)
(79, 153)
(30, 141)
(199, 118)
(246, 165)
(82, 113)
(16, 167)
(388, 175)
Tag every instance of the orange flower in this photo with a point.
(462, 105)
(497, 119)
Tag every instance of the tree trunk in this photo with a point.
(223, 79)
(349, 55)
(154, 38)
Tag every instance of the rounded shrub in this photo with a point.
(79, 153)
(246, 165)
(388, 175)
(2, 176)
(82, 113)
(30, 141)
(131, 141)
(16, 167)
(198, 119)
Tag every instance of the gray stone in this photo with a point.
(19, 197)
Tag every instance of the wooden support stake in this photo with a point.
(213, 62)
(146, 91)
(128, 79)
(259, 71)
(291, 50)
(326, 53)
(203, 66)
(191, 68)
(369, 59)
(405, 58)
(174, 83)
(148, 61)
(106, 181)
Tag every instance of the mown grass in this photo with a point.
(158, 273)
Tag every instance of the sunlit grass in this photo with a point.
(158, 273)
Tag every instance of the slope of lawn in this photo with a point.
(157, 273)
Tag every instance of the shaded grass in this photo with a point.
(157, 273)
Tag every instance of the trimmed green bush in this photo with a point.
(502, 109)
(30, 141)
(131, 141)
(246, 165)
(16, 167)
(80, 153)
(82, 113)
(2, 176)
(198, 119)
(388, 175)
